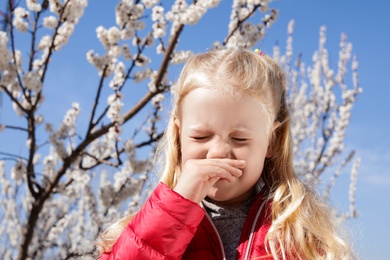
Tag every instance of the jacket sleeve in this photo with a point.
(162, 229)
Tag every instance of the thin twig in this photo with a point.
(13, 98)
(11, 32)
(239, 23)
(97, 98)
(16, 128)
(13, 156)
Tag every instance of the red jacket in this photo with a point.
(169, 226)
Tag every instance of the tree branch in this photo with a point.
(91, 124)
(51, 48)
(37, 206)
(11, 32)
(99, 162)
(239, 23)
(13, 99)
(140, 50)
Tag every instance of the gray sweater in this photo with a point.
(229, 223)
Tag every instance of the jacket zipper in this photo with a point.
(250, 241)
(219, 238)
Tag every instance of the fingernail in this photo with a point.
(242, 162)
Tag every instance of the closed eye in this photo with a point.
(239, 139)
(199, 137)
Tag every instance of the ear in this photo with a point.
(177, 125)
(270, 150)
(177, 130)
(178, 140)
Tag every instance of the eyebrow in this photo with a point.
(241, 129)
(201, 128)
(197, 127)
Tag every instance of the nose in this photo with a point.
(219, 149)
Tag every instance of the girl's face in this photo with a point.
(216, 125)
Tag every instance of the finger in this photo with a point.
(232, 162)
(225, 172)
(235, 171)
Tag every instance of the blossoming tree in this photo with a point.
(72, 180)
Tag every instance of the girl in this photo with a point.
(228, 189)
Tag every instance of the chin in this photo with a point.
(221, 191)
(222, 186)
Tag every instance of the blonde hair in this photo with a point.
(302, 227)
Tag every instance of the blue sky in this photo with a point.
(366, 25)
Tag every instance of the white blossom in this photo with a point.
(21, 17)
(115, 107)
(127, 33)
(128, 11)
(32, 81)
(9, 78)
(141, 60)
(74, 10)
(142, 75)
(101, 33)
(20, 12)
(114, 132)
(64, 33)
(119, 75)
(18, 170)
(50, 21)
(59, 146)
(94, 59)
(126, 52)
(193, 14)
(157, 99)
(28, 143)
(68, 125)
(129, 147)
(150, 3)
(149, 40)
(136, 41)
(20, 24)
(5, 54)
(115, 51)
(33, 5)
(243, 13)
(36, 158)
(55, 6)
(106, 193)
(159, 29)
(160, 49)
(113, 35)
(181, 56)
(158, 13)
(269, 19)
(152, 84)
(45, 42)
(138, 25)
(352, 188)
(209, 3)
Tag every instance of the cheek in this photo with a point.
(190, 150)
(254, 157)
(253, 151)
(255, 167)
